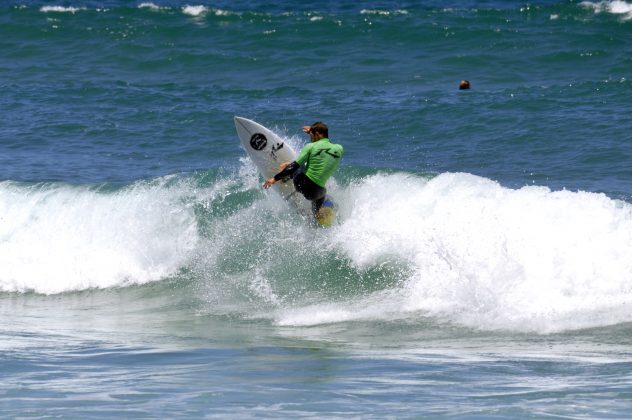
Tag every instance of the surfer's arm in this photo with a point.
(287, 172)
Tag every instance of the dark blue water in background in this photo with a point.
(481, 263)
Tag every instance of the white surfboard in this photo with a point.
(267, 151)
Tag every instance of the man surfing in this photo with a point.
(315, 164)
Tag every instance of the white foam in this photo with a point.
(383, 12)
(379, 306)
(194, 10)
(61, 9)
(482, 255)
(61, 238)
(618, 7)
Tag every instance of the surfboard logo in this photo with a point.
(332, 154)
(276, 148)
(258, 141)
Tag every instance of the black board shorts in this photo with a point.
(310, 190)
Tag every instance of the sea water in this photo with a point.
(480, 266)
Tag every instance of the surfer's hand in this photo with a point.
(268, 183)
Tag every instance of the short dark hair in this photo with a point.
(320, 127)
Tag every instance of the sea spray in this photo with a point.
(484, 256)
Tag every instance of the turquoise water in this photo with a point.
(480, 266)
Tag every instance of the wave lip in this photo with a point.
(151, 6)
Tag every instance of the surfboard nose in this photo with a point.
(242, 123)
(237, 120)
(242, 120)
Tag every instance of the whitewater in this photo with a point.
(458, 247)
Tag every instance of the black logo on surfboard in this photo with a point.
(258, 141)
(276, 148)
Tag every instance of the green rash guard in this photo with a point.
(321, 158)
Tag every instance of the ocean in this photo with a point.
(480, 265)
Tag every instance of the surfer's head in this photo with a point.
(318, 131)
(465, 84)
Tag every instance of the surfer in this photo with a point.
(317, 161)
